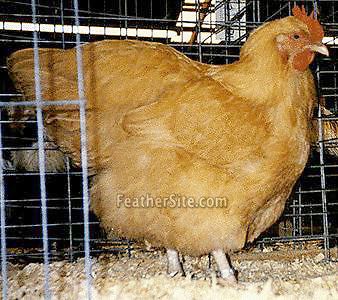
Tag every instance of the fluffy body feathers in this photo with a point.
(161, 124)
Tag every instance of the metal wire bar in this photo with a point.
(36, 173)
(293, 239)
(38, 95)
(198, 21)
(49, 225)
(49, 199)
(85, 190)
(3, 224)
(70, 230)
(322, 176)
(40, 103)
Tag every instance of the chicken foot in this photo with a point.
(174, 264)
(227, 272)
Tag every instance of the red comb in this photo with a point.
(316, 30)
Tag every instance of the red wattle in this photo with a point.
(302, 60)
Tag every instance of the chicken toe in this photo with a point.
(174, 264)
(227, 272)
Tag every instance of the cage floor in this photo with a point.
(271, 274)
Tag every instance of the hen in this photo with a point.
(163, 129)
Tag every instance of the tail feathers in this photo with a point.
(54, 84)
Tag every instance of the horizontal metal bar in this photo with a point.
(48, 225)
(19, 149)
(61, 254)
(328, 72)
(295, 238)
(41, 104)
(10, 95)
(310, 205)
(315, 166)
(49, 200)
(305, 214)
(37, 173)
(316, 191)
(18, 121)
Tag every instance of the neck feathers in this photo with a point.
(262, 76)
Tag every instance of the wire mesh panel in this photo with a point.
(44, 194)
(311, 212)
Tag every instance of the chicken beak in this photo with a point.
(320, 48)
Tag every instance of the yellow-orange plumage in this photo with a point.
(161, 124)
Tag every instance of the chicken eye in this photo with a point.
(296, 36)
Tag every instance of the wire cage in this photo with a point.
(44, 207)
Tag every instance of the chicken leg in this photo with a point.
(227, 272)
(174, 264)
